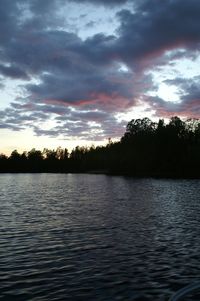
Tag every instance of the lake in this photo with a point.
(96, 237)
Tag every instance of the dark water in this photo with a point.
(95, 237)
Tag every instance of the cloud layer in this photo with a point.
(75, 87)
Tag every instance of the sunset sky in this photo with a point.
(74, 72)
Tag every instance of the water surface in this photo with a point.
(97, 238)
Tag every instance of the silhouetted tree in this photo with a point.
(146, 149)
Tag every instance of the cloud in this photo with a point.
(79, 83)
(8, 17)
(102, 2)
(13, 72)
(155, 27)
(189, 104)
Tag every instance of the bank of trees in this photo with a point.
(146, 149)
(161, 149)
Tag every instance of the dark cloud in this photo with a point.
(79, 88)
(76, 82)
(50, 133)
(190, 104)
(101, 2)
(9, 10)
(90, 24)
(7, 126)
(13, 72)
(45, 6)
(155, 27)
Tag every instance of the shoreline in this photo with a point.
(110, 173)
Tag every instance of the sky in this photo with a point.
(74, 72)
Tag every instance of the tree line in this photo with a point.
(147, 148)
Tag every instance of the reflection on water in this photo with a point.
(95, 237)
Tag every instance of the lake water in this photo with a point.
(96, 237)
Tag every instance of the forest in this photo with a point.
(147, 149)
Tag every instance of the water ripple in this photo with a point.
(97, 238)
